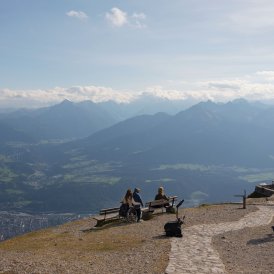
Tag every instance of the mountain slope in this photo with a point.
(232, 133)
(8, 134)
(63, 121)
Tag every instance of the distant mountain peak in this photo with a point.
(66, 102)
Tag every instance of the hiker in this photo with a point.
(137, 203)
(161, 196)
(126, 203)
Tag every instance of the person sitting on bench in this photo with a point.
(138, 203)
(161, 196)
(126, 203)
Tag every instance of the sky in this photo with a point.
(119, 50)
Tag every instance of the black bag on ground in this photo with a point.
(173, 228)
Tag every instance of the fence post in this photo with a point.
(244, 199)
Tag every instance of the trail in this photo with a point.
(194, 252)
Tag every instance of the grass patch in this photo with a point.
(253, 178)
(186, 166)
(6, 175)
(64, 242)
(90, 167)
(29, 242)
(204, 205)
(93, 179)
(90, 172)
(11, 191)
(163, 180)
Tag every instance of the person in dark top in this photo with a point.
(137, 201)
(161, 196)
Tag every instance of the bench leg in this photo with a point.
(100, 223)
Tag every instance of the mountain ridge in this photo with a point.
(202, 152)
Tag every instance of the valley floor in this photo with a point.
(137, 248)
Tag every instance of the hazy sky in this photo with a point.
(93, 49)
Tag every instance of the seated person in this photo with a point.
(162, 196)
(137, 203)
(128, 199)
(126, 203)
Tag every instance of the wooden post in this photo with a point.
(244, 199)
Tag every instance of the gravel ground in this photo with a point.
(124, 248)
(249, 251)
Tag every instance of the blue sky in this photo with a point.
(100, 50)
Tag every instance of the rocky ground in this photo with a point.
(250, 250)
(132, 248)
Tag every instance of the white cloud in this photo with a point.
(251, 87)
(117, 17)
(140, 16)
(137, 20)
(266, 74)
(77, 14)
(161, 92)
(38, 98)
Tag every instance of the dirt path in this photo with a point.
(194, 252)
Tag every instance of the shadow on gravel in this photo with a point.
(159, 237)
(115, 223)
(267, 239)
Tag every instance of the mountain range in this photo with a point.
(66, 120)
(207, 133)
(207, 152)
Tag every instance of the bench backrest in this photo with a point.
(109, 210)
(162, 202)
(157, 203)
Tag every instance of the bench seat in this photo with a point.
(107, 214)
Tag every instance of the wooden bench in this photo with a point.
(108, 214)
(112, 214)
(161, 203)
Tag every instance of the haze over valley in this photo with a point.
(206, 153)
